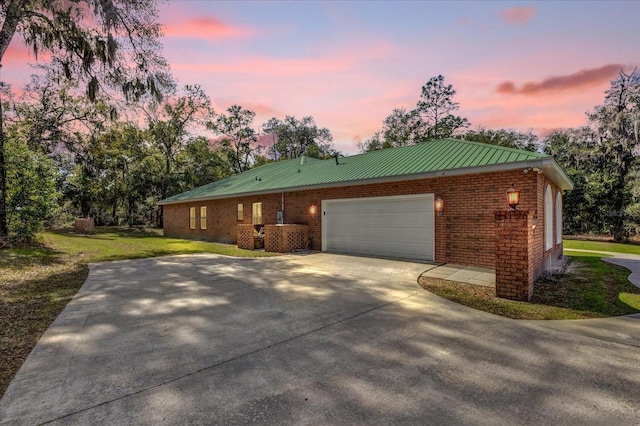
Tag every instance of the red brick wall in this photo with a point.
(464, 234)
(544, 259)
(514, 254)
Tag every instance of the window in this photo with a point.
(558, 218)
(257, 213)
(203, 217)
(548, 219)
(192, 218)
(240, 212)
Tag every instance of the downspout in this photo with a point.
(283, 221)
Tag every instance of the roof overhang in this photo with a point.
(547, 165)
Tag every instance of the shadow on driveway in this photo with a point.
(318, 339)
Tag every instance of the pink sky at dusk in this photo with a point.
(523, 65)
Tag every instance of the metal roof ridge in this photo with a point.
(438, 155)
(548, 163)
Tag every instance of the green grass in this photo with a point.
(116, 244)
(602, 246)
(38, 281)
(589, 288)
(577, 253)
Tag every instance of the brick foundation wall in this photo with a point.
(464, 234)
(245, 234)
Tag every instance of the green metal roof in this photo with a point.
(430, 159)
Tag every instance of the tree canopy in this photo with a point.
(509, 138)
(239, 139)
(105, 44)
(603, 160)
(293, 138)
(435, 108)
(431, 119)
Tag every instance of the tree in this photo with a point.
(201, 164)
(603, 161)
(107, 182)
(503, 137)
(32, 194)
(617, 125)
(294, 138)
(435, 107)
(431, 119)
(54, 115)
(402, 128)
(102, 43)
(375, 143)
(239, 138)
(577, 152)
(169, 125)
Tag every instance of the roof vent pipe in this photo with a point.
(337, 161)
(302, 160)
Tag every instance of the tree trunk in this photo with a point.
(619, 204)
(4, 230)
(14, 12)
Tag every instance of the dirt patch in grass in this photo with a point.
(33, 291)
(612, 290)
(588, 288)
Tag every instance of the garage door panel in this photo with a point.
(381, 226)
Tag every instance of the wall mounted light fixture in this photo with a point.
(513, 197)
(438, 205)
(313, 210)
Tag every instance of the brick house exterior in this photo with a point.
(465, 232)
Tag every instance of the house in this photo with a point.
(382, 203)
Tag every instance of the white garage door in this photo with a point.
(400, 226)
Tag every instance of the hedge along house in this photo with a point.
(383, 203)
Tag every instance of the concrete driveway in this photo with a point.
(316, 339)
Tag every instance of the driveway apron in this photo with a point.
(315, 339)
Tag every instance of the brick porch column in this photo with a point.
(514, 251)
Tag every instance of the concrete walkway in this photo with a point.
(462, 274)
(317, 339)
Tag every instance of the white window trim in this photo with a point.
(192, 218)
(559, 218)
(203, 217)
(254, 215)
(548, 218)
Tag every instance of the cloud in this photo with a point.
(205, 28)
(518, 15)
(271, 66)
(336, 61)
(582, 79)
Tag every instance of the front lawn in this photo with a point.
(601, 246)
(38, 281)
(589, 288)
